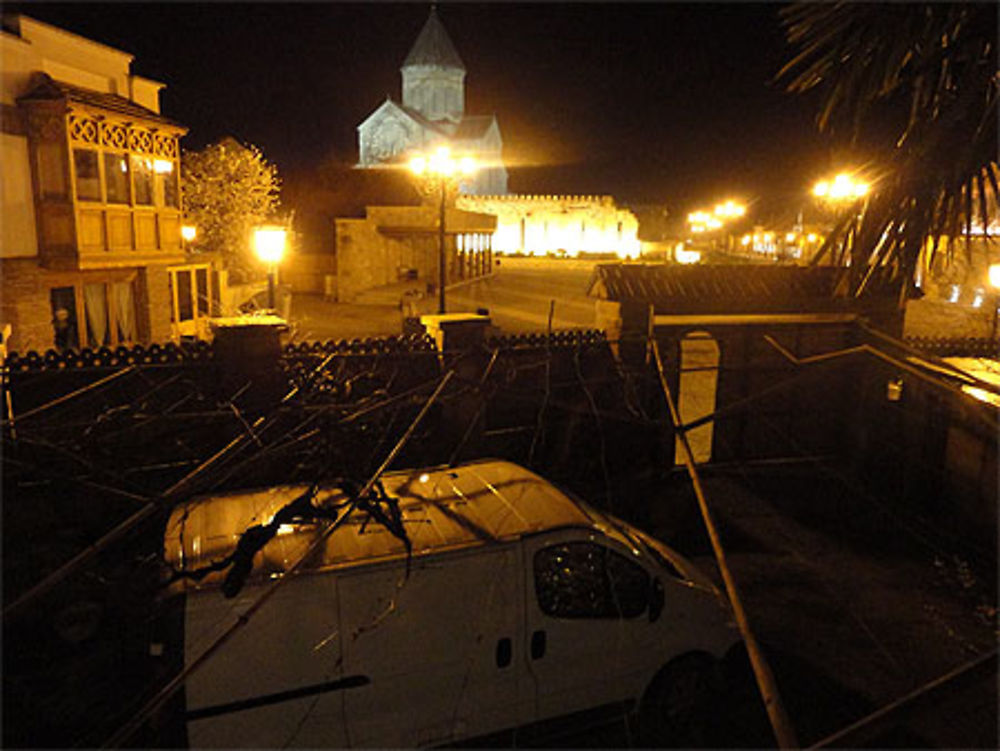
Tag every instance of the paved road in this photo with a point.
(518, 296)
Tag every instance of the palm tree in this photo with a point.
(931, 71)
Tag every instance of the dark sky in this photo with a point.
(660, 103)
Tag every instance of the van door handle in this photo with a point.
(538, 645)
(504, 652)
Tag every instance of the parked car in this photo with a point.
(519, 609)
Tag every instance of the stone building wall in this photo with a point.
(393, 243)
(25, 303)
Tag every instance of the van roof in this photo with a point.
(442, 508)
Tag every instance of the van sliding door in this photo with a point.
(277, 683)
(439, 648)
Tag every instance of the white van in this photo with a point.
(522, 608)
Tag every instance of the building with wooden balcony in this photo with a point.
(91, 249)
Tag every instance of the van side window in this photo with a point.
(586, 580)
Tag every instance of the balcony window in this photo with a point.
(166, 178)
(88, 175)
(116, 177)
(142, 181)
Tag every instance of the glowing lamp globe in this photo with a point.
(269, 243)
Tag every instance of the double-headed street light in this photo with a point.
(269, 243)
(842, 189)
(441, 168)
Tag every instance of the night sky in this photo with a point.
(652, 103)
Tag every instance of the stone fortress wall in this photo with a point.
(568, 225)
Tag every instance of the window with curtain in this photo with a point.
(116, 177)
(123, 301)
(88, 175)
(95, 303)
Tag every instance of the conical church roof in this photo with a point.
(434, 47)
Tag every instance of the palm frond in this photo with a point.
(940, 174)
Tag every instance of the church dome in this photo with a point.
(433, 47)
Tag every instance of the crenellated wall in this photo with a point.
(561, 224)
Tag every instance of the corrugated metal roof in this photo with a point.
(678, 289)
(434, 47)
(442, 508)
(47, 88)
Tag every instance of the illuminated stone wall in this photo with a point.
(397, 243)
(563, 225)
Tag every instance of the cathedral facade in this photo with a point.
(432, 113)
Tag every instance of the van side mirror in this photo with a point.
(655, 599)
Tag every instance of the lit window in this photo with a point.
(116, 178)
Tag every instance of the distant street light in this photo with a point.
(269, 243)
(704, 221)
(842, 189)
(439, 168)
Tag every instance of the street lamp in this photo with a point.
(188, 234)
(269, 243)
(842, 189)
(441, 167)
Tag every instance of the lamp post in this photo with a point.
(440, 169)
(269, 243)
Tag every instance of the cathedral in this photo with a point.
(432, 113)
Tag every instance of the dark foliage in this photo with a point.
(930, 71)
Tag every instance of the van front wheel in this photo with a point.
(675, 709)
